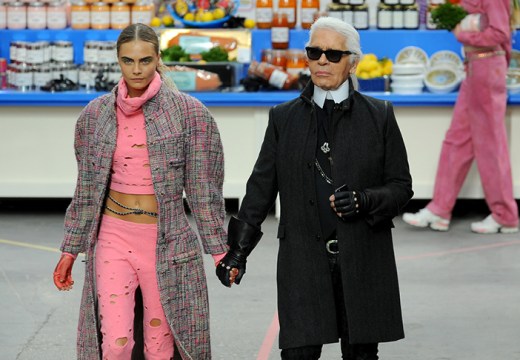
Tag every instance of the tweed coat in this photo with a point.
(186, 154)
(368, 154)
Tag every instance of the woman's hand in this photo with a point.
(63, 273)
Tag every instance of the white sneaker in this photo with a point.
(490, 226)
(425, 218)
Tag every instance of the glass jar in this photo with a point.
(119, 15)
(90, 51)
(34, 53)
(295, 61)
(308, 9)
(142, 12)
(42, 74)
(16, 15)
(384, 17)
(114, 73)
(3, 15)
(36, 15)
(360, 14)
(79, 15)
(100, 16)
(411, 17)
(278, 58)
(107, 52)
(398, 17)
(280, 31)
(56, 15)
(335, 10)
(264, 14)
(24, 77)
(347, 13)
(357, 2)
(267, 56)
(288, 7)
(62, 51)
(46, 50)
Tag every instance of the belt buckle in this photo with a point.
(329, 243)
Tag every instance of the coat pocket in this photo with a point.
(185, 257)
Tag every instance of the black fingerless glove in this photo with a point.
(242, 239)
(350, 203)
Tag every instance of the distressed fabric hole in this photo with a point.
(121, 341)
(155, 322)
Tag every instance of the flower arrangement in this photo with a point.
(448, 15)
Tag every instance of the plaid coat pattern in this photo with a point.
(186, 155)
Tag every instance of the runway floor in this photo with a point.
(460, 294)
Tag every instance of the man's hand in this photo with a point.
(347, 204)
(63, 273)
(231, 268)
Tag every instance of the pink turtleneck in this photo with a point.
(131, 173)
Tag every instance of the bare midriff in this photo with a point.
(146, 202)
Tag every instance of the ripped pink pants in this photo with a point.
(478, 132)
(125, 259)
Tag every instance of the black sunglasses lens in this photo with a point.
(334, 55)
(314, 53)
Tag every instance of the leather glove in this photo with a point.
(231, 268)
(242, 239)
(349, 203)
(63, 273)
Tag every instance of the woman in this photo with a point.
(477, 129)
(138, 148)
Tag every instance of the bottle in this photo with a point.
(36, 15)
(398, 17)
(119, 15)
(100, 16)
(288, 7)
(279, 58)
(411, 17)
(280, 31)
(273, 75)
(264, 14)
(309, 8)
(360, 13)
(295, 61)
(56, 15)
(79, 15)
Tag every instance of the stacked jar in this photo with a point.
(101, 15)
(354, 12)
(99, 59)
(398, 14)
(34, 15)
(291, 60)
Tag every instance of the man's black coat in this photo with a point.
(369, 155)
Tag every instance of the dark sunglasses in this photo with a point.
(314, 53)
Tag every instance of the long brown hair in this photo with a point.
(145, 33)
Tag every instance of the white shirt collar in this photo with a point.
(319, 96)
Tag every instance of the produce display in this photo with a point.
(203, 13)
(371, 67)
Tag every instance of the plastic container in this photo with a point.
(79, 15)
(36, 15)
(100, 16)
(119, 15)
(16, 15)
(56, 15)
(308, 9)
(288, 7)
(264, 14)
(142, 12)
(280, 31)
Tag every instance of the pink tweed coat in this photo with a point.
(185, 155)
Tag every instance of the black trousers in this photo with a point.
(348, 351)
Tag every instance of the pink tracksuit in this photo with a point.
(477, 130)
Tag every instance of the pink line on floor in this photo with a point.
(272, 332)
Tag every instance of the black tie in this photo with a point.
(329, 107)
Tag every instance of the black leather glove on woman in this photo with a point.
(349, 203)
(242, 239)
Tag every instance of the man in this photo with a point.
(336, 268)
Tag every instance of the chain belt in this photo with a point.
(475, 55)
(133, 211)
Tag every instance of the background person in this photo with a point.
(477, 129)
(138, 148)
(336, 274)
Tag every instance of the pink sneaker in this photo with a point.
(425, 218)
(490, 226)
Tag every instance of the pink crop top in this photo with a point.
(131, 172)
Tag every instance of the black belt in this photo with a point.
(332, 246)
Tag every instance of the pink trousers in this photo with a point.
(477, 131)
(125, 259)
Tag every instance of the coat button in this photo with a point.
(318, 237)
(311, 202)
(309, 165)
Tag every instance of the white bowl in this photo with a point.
(408, 69)
(446, 57)
(414, 79)
(407, 89)
(413, 55)
(442, 79)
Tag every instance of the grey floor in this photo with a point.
(460, 295)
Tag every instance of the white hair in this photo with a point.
(341, 27)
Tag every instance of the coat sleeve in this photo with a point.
(262, 185)
(204, 179)
(387, 200)
(497, 32)
(80, 213)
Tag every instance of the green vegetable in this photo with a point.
(447, 16)
(174, 53)
(215, 54)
